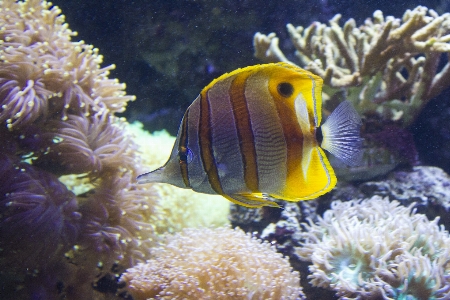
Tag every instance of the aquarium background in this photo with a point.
(79, 227)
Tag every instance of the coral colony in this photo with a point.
(219, 263)
(75, 225)
(57, 110)
(376, 249)
(71, 215)
(386, 66)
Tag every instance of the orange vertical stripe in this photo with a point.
(294, 142)
(205, 138)
(244, 130)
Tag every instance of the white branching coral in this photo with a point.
(387, 65)
(376, 249)
(219, 263)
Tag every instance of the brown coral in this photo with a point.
(213, 264)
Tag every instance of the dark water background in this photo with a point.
(167, 51)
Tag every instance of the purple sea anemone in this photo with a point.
(38, 217)
(23, 96)
(117, 221)
(44, 74)
(84, 145)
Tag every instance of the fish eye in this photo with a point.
(285, 89)
(185, 155)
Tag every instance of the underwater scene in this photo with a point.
(224, 149)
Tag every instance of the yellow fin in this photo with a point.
(251, 200)
(319, 179)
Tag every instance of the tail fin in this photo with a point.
(341, 134)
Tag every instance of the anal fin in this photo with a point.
(251, 200)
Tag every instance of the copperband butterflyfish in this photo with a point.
(252, 136)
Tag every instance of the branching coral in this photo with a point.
(387, 66)
(213, 264)
(376, 249)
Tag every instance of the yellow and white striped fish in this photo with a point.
(250, 136)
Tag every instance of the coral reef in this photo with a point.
(387, 66)
(71, 214)
(219, 263)
(72, 218)
(423, 189)
(427, 187)
(57, 117)
(375, 249)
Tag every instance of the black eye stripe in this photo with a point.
(183, 156)
(285, 89)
